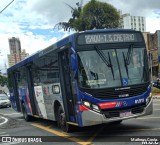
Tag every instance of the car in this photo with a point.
(4, 101)
(156, 84)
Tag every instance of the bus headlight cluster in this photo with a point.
(87, 104)
(148, 98)
(91, 106)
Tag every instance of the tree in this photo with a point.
(67, 26)
(94, 15)
(3, 80)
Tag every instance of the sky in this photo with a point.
(33, 21)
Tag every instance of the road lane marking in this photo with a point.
(61, 134)
(5, 120)
(8, 143)
(143, 129)
(2, 133)
(93, 137)
(9, 114)
(148, 118)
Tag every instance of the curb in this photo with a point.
(156, 97)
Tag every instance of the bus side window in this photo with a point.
(55, 89)
(18, 76)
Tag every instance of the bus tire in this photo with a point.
(25, 115)
(61, 121)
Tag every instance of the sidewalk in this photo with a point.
(156, 96)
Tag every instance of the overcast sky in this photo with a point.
(33, 20)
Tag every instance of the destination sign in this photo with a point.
(109, 38)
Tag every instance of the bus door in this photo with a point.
(31, 89)
(66, 85)
(15, 95)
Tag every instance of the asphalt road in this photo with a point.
(138, 129)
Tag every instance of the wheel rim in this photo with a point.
(59, 119)
(62, 120)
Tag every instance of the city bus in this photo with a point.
(88, 78)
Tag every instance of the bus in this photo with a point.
(88, 78)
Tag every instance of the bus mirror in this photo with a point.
(73, 62)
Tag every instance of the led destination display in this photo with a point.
(109, 38)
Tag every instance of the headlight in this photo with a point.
(91, 106)
(148, 98)
(87, 104)
(95, 108)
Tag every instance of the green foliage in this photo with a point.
(67, 26)
(3, 80)
(97, 15)
(94, 15)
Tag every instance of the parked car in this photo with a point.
(156, 84)
(4, 101)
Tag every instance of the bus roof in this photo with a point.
(42, 52)
(59, 44)
(107, 30)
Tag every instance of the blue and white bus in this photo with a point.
(88, 78)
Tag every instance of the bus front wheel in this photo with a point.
(61, 121)
(25, 115)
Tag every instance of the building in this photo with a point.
(153, 46)
(157, 46)
(133, 22)
(16, 55)
(14, 45)
(145, 35)
(154, 54)
(150, 50)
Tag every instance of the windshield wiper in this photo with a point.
(145, 72)
(125, 63)
(106, 60)
(129, 55)
(102, 55)
(110, 64)
(127, 59)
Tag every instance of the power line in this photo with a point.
(6, 6)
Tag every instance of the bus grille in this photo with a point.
(116, 112)
(112, 93)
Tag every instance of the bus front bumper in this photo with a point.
(90, 117)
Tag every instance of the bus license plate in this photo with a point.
(125, 114)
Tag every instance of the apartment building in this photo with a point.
(16, 55)
(133, 22)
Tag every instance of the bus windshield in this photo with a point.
(104, 68)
